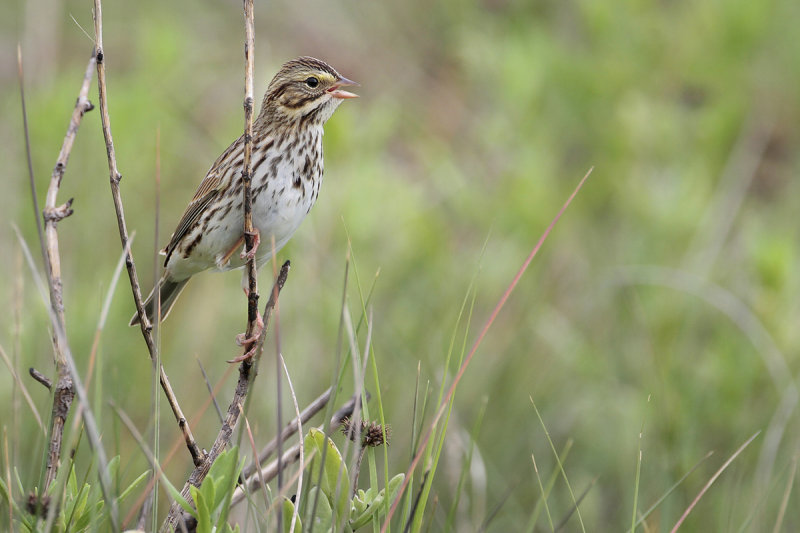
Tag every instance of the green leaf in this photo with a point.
(177, 496)
(288, 513)
(394, 485)
(72, 484)
(83, 521)
(208, 490)
(226, 481)
(366, 504)
(113, 467)
(19, 481)
(203, 512)
(323, 520)
(224, 473)
(334, 482)
(359, 504)
(130, 488)
(4, 492)
(79, 507)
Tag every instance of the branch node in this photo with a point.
(57, 214)
(41, 378)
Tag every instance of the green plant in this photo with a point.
(82, 507)
(212, 499)
(330, 499)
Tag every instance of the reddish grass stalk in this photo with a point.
(443, 406)
(711, 481)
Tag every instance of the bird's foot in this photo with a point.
(249, 342)
(251, 253)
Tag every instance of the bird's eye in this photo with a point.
(312, 82)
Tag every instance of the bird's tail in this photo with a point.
(169, 291)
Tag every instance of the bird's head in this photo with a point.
(305, 88)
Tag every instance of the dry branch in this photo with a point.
(254, 479)
(64, 388)
(247, 373)
(250, 235)
(290, 429)
(115, 177)
(69, 384)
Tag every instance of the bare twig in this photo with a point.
(247, 172)
(64, 391)
(290, 429)
(115, 177)
(253, 480)
(41, 378)
(69, 384)
(246, 376)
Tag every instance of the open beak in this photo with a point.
(336, 91)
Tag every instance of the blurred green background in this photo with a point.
(673, 276)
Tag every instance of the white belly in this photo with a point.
(283, 194)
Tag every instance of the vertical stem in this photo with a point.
(247, 171)
(115, 177)
(64, 388)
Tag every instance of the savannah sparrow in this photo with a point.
(287, 174)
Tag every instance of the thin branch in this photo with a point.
(68, 384)
(64, 391)
(90, 424)
(41, 378)
(253, 480)
(290, 429)
(246, 375)
(247, 172)
(115, 177)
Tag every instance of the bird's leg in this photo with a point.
(243, 340)
(250, 342)
(222, 262)
(251, 253)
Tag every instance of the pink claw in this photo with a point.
(243, 340)
(251, 253)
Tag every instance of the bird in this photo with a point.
(286, 166)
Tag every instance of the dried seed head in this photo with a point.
(37, 505)
(372, 434)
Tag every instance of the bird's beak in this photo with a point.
(336, 92)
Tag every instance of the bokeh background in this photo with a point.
(674, 276)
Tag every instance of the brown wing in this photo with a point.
(206, 193)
